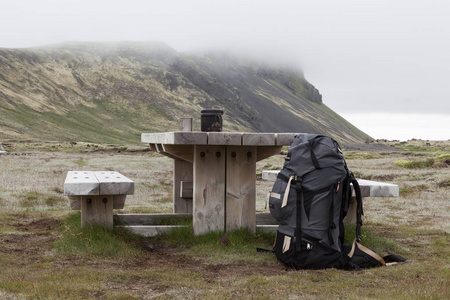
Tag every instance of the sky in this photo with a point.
(384, 65)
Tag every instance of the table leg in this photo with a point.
(182, 171)
(209, 189)
(241, 185)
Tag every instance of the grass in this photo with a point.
(371, 238)
(45, 254)
(406, 189)
(214, 247)
(95, 240)
(362, 155)
(218, 247)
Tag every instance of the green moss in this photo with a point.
(415, 164)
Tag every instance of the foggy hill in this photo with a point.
(112, 92)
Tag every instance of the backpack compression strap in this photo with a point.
(298, 229)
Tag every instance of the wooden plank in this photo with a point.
(186, 189)
(176, 138)
(351, 213)
(97, 209)
(267, 151)
(267, 228)
(119, 201)
(182, 172)
(270, 175)
(258, 139)
(74, 202)
(209, 189)
(153, 138)
(149, 219)
(184, 152)
(285, 139)
(80, 183)
(150, 231)
(114, 183)
(159, 149)
(379, 189)
(240, 188)
(265, 219)
(187, 138)
(154, 230)
(224, 138)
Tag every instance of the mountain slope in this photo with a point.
(112, 92)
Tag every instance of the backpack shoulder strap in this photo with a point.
(359, 207)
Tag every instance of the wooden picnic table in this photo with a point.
(217, 169)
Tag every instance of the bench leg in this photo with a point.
(351, 214)
(97, 209)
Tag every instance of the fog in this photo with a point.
(367, 58)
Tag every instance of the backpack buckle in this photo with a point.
(338, 186)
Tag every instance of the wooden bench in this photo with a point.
(96, 194)
(368, 189)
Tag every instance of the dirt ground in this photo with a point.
(35, 237)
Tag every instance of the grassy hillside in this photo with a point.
(112, 92)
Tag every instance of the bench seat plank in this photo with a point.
(114, 183)
(85, 183)
(378, 189)
(81, 183)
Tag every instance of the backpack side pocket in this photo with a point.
(282, 200)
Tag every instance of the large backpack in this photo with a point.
(310, 199)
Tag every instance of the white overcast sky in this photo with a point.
(369, 59)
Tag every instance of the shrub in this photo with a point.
(415, 164)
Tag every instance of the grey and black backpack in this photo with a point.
(310, 199)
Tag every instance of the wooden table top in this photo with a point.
(219, 138)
